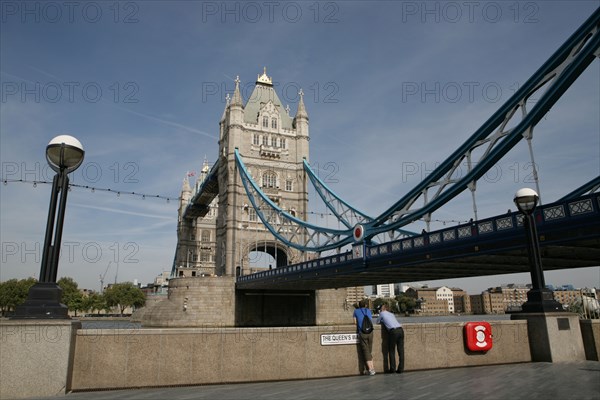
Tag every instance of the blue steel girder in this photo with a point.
(290, 230)
(493, 138)
(587, 188)
(343, 211)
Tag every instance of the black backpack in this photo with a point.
(367, 325)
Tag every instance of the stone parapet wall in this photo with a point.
(36, 357)
(192, 356)
(590, 333)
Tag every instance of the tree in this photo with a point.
(71, 295)
(13, 293)
(388, 301)
(406, 303)
(94, 302)
(124, 295)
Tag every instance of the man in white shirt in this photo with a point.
(395, 338)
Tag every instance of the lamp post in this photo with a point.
(539, 298)
(64, 154)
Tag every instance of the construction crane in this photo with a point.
(102, 277)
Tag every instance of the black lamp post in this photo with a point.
(539, 298)
(64, 154)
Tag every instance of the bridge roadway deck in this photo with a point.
(579, 380)
(569, 234)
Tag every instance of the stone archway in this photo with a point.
(267, 255)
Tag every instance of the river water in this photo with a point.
(120, 324)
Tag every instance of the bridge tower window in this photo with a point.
(274, 123)
(256, 139)
(265, 140)
(283, 143)
(288, 185)
(269, 180)
(265, 122)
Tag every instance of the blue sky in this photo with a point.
(392, 88)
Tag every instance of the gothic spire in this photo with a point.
(301, 113)
(186, 184)
(237, 97)
(227, 100)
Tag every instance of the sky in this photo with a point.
(391, 89)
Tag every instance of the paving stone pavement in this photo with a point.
(580, 380)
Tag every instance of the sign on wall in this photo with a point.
(339, 338)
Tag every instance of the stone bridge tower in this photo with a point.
(218, 229)
(273, 145)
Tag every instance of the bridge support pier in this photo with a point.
(553, 336)
(214, 302)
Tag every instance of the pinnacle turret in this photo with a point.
(227, 101)
(301, 113)
(236, 100)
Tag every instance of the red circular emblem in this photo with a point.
(358, 232)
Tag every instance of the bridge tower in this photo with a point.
(273, 144)
(219, 229)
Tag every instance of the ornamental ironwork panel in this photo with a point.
(485, 227)
(464, 231)
(406, 244)
(449, 235)
(419, 242)
(396, 246)
(555, 212)
(520, 218)
(581, 207)
(504, 223)
(383, 249)
(435, 238)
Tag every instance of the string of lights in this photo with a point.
(93, 189)
(168, 199)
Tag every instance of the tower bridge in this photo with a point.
(254, 198)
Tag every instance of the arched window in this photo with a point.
(274, 123)
(282, 143)
(273, 142)
(255, 139)
(269, 180)
(265, 140)
(265, 122)
(206, 236)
